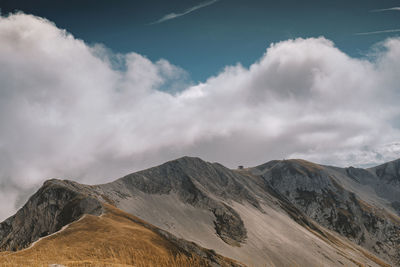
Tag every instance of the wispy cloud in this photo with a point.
(187, 11)
(386, 9)
(378, 32)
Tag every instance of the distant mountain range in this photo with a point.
(281, 213)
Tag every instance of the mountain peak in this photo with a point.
(292, 165)
(393, 162)
(389, 172)
(56, 204)
(186, 161)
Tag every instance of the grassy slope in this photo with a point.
(113, 239)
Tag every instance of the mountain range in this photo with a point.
(189, 212)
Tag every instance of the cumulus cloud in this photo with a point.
(73, 111)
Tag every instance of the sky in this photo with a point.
(91, 91)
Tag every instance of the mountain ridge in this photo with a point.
(208, 203)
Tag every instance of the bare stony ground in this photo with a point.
(281, 213)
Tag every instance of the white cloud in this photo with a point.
(73, 111)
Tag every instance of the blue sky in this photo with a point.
(223, 33)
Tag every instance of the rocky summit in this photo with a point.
(281, 213)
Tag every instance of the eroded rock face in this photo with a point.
(389, 172)
(317, 192)
(229, 225)
(47, 211)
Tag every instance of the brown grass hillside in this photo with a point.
(113, 239)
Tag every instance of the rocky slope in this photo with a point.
(388, 186)
(59, 203)
(55, 205)
(113, 239)
(281, 213)
(318, 191)
(183, 195)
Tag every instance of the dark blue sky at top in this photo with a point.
(224, 33)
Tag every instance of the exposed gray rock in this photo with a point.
(389, 172)
(219, 199)
(47, 211)
(388, 183)
(317, 191)
(229, 225)
(303, 190)
(201, 184)
(188, 177)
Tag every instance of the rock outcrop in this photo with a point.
(55, 205)
(318, 192)
(189, 179)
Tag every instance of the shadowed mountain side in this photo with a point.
(389, 186)
(55, 205)
(321, 193)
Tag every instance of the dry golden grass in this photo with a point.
(121, 257)
(375, 259)
(114, 239)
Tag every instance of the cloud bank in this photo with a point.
(73, 111)
(187, 11)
